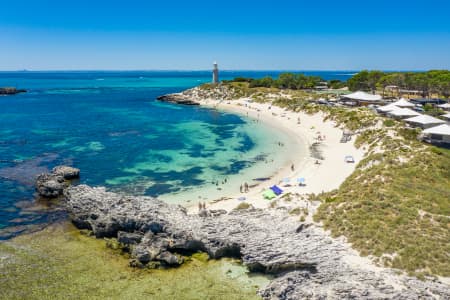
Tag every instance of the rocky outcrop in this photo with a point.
(306, 262)
(52, 185)
(178, 98)
(67, 172)
(10, 91)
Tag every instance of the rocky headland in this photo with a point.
(10, 91)
(306, 262)
(177, 98)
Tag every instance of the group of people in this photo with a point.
(201, 206)
(244, 188)
(320, 137)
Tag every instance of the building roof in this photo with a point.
(403, 103)
(443, 129)
(445, 105)
(425, 119)
(359, 95)
(387, 108)
(426, 100)
(403, 112)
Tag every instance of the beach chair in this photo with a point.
(349, 159)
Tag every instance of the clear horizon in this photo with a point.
(185, 36)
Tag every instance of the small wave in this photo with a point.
(100, 79)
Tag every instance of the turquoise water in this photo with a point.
(109, 125)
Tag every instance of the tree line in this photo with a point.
(293, 81)
(427, 83)
(430, 82)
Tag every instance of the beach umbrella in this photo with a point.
(301, 180)
(241, 198)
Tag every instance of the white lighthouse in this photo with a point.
(215, 74)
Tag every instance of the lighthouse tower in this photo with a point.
(215, 74)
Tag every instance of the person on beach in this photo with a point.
(292, 168)
(246, 187)
(240, 188)
(199, 206)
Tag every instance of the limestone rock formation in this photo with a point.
(52, 185)
(178, 99)
(66, 172)
(306, 261)
(11, 91)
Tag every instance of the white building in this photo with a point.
(402, 113)
(446, 116)
(439, 135)
(387, 108)
(445, 106)
(424, 121)
(363, 98)
(403, 103)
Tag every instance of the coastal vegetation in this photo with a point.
(395, 207)
(425, 84)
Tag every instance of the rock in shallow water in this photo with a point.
(307, 262)
(52, 185)
(66, 172)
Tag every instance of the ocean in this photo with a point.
(109, 125)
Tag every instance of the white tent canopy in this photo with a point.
(424, 120)
(446, 116)
(387, 108)
(363, 96)
(443, 129)
(403, 103)
(403, 112)
(445, 106)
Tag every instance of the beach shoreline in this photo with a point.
(329, 174)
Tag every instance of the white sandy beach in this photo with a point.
(323, 177)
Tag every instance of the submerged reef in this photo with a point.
(62, 262)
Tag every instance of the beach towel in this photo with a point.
(276, 190)
(269, 194)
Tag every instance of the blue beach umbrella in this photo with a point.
(301, 180)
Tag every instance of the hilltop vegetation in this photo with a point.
(431, 82)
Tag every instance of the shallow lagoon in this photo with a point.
(61, 263)
(120, 137)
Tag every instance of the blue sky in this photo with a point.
(253, 35)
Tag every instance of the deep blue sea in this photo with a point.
(109, 125)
